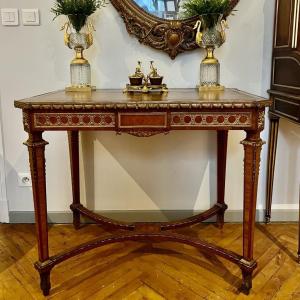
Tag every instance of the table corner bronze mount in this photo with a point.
(41, 115)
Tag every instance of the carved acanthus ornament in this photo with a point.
(261, 120)
(144, 133)
(26, 120)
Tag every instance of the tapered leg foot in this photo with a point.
(267, 219)
(221, 215)
(76, 216)
(220, 220)
(76, 220)
(45, 283)
(247, 282)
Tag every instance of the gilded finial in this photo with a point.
(153, 70)
(138, 70)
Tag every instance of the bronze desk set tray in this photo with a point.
(151, 83)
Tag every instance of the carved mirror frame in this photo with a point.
(170, 36)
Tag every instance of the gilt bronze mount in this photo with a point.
(141, 83)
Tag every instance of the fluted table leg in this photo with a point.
(36, 147)
(252, 147)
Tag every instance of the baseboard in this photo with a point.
(231, 216)
(4, 212)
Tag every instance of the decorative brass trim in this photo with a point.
(261, 120)
(209, 88)
(211, 119)
(26, 120)
(295, 25)
(143, 105)
(31, 144)
(257, 144)
(170, 36)
(250, 264)
(72, 120)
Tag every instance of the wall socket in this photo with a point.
(24, 180)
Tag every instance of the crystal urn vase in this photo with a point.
(210, 35)
(80, 68)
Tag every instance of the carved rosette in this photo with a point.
(172, 37)
(144, 133)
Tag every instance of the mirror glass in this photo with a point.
(165, 9)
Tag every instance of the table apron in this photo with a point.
(153, 121)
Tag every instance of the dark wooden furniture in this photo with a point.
(285, 85)
(143, 116)
(170, 36)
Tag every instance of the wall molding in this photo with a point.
(234, 216)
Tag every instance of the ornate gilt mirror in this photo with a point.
(158, 23)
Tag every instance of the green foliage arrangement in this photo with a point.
(77, 10)
(208, 9)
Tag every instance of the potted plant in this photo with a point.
(208, 10)
(77, 11)
(78, 36)
(210, 34)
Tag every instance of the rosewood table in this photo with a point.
(145, 115)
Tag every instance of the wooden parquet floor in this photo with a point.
(159, 271)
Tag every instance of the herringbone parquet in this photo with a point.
(158, 271)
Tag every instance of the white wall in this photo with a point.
(4, 217)
(176, 171)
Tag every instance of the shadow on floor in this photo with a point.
(263, 228)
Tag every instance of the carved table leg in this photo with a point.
(36, 147)
(221, 173)
(74, 161)
(273, 136)
(252, 146)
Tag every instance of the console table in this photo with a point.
(145, 115)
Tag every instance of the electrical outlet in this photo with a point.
(24, 180)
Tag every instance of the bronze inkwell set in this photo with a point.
(141, 83)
